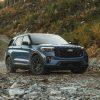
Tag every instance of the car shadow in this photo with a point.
(60, 72)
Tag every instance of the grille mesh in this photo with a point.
(68, 52)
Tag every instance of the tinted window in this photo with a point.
(47, 39)
(19, 41)
(26, 39)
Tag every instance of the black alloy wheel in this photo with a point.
(37, 67)
(9, 66)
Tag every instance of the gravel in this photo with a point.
(54, 86)
(62, 85)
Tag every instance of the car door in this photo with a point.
(17, 50)
(26, 49)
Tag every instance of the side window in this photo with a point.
(26, 39)
(18, 42)
(11, 43)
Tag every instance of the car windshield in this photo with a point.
(47, 39)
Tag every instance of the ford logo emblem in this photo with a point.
(70, 50)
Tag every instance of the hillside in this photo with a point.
(77, 21)
(3, 44)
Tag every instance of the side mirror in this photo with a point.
(25, 43)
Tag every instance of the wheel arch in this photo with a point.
(37, 53)
(7, 58)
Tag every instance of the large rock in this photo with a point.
(16, 92)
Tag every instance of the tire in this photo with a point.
(9, 66)
(79, 71)
(37, 66)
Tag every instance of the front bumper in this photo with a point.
(66, 63)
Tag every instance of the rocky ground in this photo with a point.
(61, 85)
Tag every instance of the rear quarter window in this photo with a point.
(18, 41)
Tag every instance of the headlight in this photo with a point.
(47, 49)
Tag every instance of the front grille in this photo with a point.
(68, 52)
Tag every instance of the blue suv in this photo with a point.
(41, 53)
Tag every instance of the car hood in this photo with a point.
(59, 45)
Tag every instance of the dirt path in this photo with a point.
(3, 45)
(2, 67)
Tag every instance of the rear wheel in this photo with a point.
(79, 71)
(9, 66)
(37, 66)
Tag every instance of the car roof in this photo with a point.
(32, 34)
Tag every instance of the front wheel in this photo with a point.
(79, 71)
(37, 67)
(9, 66)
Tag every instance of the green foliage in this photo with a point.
(77, 21)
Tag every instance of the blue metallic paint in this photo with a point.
(22, 55)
